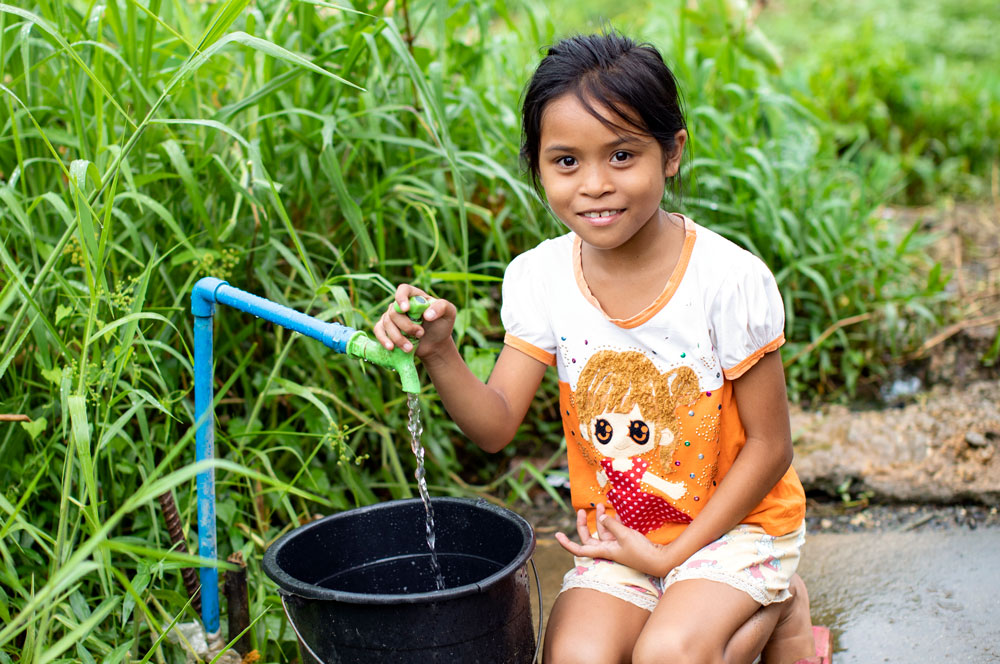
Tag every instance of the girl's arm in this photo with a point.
(488, 413)
(766, 455)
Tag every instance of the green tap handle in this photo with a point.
(418, 305)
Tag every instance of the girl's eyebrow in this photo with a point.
(621, 140)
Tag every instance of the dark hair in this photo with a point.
(609, 70)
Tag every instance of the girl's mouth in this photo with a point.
(601, 217)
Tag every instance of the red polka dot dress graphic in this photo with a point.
(636, 508)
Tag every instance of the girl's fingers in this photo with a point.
(437, 309)
(582, 529)
(570, 545)
(614, 528)
(403, 294)
(393, 334)
(603, 533)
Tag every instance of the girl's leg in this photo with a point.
(711, 609)
(694, 623)
(792, 638)
(588, 626)
(780, 632)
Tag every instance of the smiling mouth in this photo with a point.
(599, 214)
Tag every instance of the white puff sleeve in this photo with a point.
(747, 316)
(523, 311)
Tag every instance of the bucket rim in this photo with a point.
(290, 586)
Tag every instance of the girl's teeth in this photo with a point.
(606, 213)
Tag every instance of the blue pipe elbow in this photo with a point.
(203, 296)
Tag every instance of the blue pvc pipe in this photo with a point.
(210, 290)
(205, 294)
(204, 417)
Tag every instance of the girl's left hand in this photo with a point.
(616, 541)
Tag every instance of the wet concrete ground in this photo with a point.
(913, 597)
(907, 597)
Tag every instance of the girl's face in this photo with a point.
(605, 186)
(621, 435)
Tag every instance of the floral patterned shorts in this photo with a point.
(746, 558)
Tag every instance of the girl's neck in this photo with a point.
(628, 278)
(662, 236)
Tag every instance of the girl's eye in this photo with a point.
(566, 162)
(603, 431)
(621, 156)
(638, 431)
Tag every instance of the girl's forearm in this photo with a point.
(757, 468)
(482, 411)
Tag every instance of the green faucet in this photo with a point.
(361, 346)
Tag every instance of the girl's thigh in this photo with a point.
(694, 622)
(588, 626)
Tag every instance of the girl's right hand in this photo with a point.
(395, 329)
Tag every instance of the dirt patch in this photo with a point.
(942, 448)
(967, 246)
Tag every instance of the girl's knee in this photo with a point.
(572, 649)
(676, 648)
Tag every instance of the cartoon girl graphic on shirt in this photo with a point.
(627, 412)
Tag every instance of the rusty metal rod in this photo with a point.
(176, 532)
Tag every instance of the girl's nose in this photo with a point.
(596, 182)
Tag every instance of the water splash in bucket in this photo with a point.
(415, 427)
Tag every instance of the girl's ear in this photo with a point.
(672, 163)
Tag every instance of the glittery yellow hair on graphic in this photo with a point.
(615, 382)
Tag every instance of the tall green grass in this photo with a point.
(317, 154)
(913, 79)
(311, 153)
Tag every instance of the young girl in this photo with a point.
(672, 393)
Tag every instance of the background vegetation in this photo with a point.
(317, 154)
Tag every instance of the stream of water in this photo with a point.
(415, 427)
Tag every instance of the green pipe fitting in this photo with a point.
(363, 347)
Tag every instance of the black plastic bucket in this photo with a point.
(358, 586)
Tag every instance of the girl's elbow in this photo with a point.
(493, 444)
(787, 455)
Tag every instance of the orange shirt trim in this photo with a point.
(744, 366)
(531, 351)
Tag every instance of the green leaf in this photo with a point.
(35, 427)
(118, 654)
(83, 629)
(224, 18)
(347, 205)
(80, 429)
(53, 375)
(139, 584)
